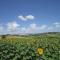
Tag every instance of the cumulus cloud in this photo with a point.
(15, 28)
(33, 28)
(11, 26)
(30, 17)
(57, 24)
(25, 18)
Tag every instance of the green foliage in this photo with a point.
(3, 36)
(25, 48)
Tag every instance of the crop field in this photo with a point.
(43, 47)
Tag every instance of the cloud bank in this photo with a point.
(15, 28)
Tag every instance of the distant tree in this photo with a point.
(3, 36)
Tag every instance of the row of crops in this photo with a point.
(26, 48)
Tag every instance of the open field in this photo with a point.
(26, 47)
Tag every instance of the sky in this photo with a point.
(29, 16)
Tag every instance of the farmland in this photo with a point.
(26, 47)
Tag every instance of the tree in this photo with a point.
(3, 36)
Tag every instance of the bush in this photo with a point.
(3, 36)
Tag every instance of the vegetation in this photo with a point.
(3, 36)
(27, 47)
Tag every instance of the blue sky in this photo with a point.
(29, 16)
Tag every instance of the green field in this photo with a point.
(25, 47)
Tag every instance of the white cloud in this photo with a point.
(25, 18)
(1, 28)
(22, 18)
(50, 28)
(42, 27)
(57, 24)
(30, 17)
(33, 28)
(12, 26)
(15, 28)
(23, 28)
